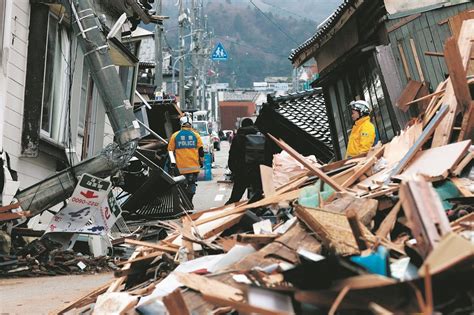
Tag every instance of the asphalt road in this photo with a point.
(210, 194)
(47, 295)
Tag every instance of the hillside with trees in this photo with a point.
(258, 44)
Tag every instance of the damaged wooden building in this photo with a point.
(385, 52)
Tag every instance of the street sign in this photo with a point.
(86, 206)
(219, 53)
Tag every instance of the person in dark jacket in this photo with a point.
(245, 176)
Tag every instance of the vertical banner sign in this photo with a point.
(85, 204)
(109, 212)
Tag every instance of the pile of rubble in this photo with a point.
(318, 243)
(387, 232)
(45, 258)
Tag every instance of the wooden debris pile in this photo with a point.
(376, 237)
(44, 258)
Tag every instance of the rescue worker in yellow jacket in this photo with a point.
(189, 154)
(363, 131)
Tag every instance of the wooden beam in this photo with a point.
(424, 98)
(387, 224)
(166, 249)
(404, 62)
(417, 60)
(316, 171)
(402, 22)
(467, 126)
(359, 172)
(457, 73)
(209, 286)
(443, 133)
(467, 159)
(426, 215)
(355, 227)
(425, 135)
(175, 304)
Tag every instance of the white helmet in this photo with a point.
(186, 119)
(361, 106)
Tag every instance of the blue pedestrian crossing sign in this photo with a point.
(219, 53)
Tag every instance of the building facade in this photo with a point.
(51, 113)
(370, 50)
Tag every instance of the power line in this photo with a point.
(247, 45)
(288, 11)
(274, 23)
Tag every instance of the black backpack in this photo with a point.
(255, 148)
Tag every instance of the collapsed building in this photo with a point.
(389, 231)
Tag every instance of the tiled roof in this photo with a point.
(307, 112)
(248, 96)
(299, 119)
(322, 29)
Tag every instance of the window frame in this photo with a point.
(63, 84)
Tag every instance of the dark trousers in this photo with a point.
(190, 185)
(241, 183)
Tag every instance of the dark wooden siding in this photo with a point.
(429, 34)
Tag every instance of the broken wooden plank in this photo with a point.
(436, 163)
(424, 98)
(86, 299)
(209, 286)
(166, 249)
(417, 60)
(306, 164)
(356, 229)
(263, 202)
(467, 125)
(360, 171)
(408, 94)
(423, 208)
(387, 224)
(175, 303)
(256, 238)
(457, 73)
(404, 62)
(425, 135)
(451, 250)
(241, 307)
(462, 185)
(117, 283)
(187, 230)
(442, 136)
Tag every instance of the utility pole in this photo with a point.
(181, 20)
(158, 51)
(194, 51)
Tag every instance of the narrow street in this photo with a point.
(352, 123)
(210, 194)
(46, 295)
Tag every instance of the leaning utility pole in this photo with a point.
(158, 51)
(181, 20)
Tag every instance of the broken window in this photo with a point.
(56, 77)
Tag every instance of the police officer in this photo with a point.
(363, 131)
(189, 153)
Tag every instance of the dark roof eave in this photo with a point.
(305, 51)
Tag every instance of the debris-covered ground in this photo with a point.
(390, 231)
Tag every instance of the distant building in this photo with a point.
(234, 104)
